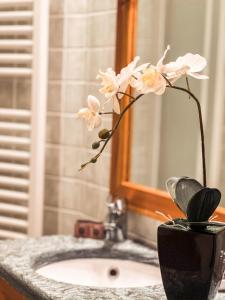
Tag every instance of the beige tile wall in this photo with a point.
(82, 40)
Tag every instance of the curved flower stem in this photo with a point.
(112, 131)
(128, 95)
(188, 85)
(200, 124)
(118, 122)
(94, 159)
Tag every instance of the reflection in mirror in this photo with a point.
(165, 129)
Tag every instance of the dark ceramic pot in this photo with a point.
(191, 262)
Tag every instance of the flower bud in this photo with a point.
(104, 134)
(82, 167)
(95, 145)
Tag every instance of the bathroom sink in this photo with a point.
(102, 272)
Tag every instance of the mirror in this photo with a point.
(165, 137)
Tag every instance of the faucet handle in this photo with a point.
(120, 206)
(111, 204)
(117, 206)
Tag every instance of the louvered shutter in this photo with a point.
(23, 55)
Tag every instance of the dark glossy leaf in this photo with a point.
(171, 186)
(203, 204)
(181, 190)
(185, 189)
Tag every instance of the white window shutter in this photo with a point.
(23, 55)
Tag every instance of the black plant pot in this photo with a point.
(192, 262)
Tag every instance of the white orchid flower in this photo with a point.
(114, 84)
(126, 74)
(195, 63)
(160, 67)
(172, 71)
(157, 83)
(110, 87)
(148, 78)
(149, 81)
(91, 113)
(109, 82)
(189, 64)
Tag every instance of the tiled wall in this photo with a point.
(82, 40)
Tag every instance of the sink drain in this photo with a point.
(113, 272)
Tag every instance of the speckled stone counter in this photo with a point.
(19, 259)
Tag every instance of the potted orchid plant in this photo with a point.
(191, 249)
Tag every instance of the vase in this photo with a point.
(192, 262)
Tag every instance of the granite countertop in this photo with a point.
(20, 258)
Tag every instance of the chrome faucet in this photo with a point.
(116, 223)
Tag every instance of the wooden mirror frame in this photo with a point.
(141, 199)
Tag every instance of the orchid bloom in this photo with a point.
(91, 113)
(194, 64)
(110, 87)
(189, 64)
(126, 74)
(148, 78)
(149, 81)
(160, 67)
(109, 82)
(114, 84)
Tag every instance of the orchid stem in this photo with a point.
(201, 127)
(188, 85)
(118, 122)
(134, 99)
(128, 95)
(115, 127)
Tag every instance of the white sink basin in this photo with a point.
(102, 272)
